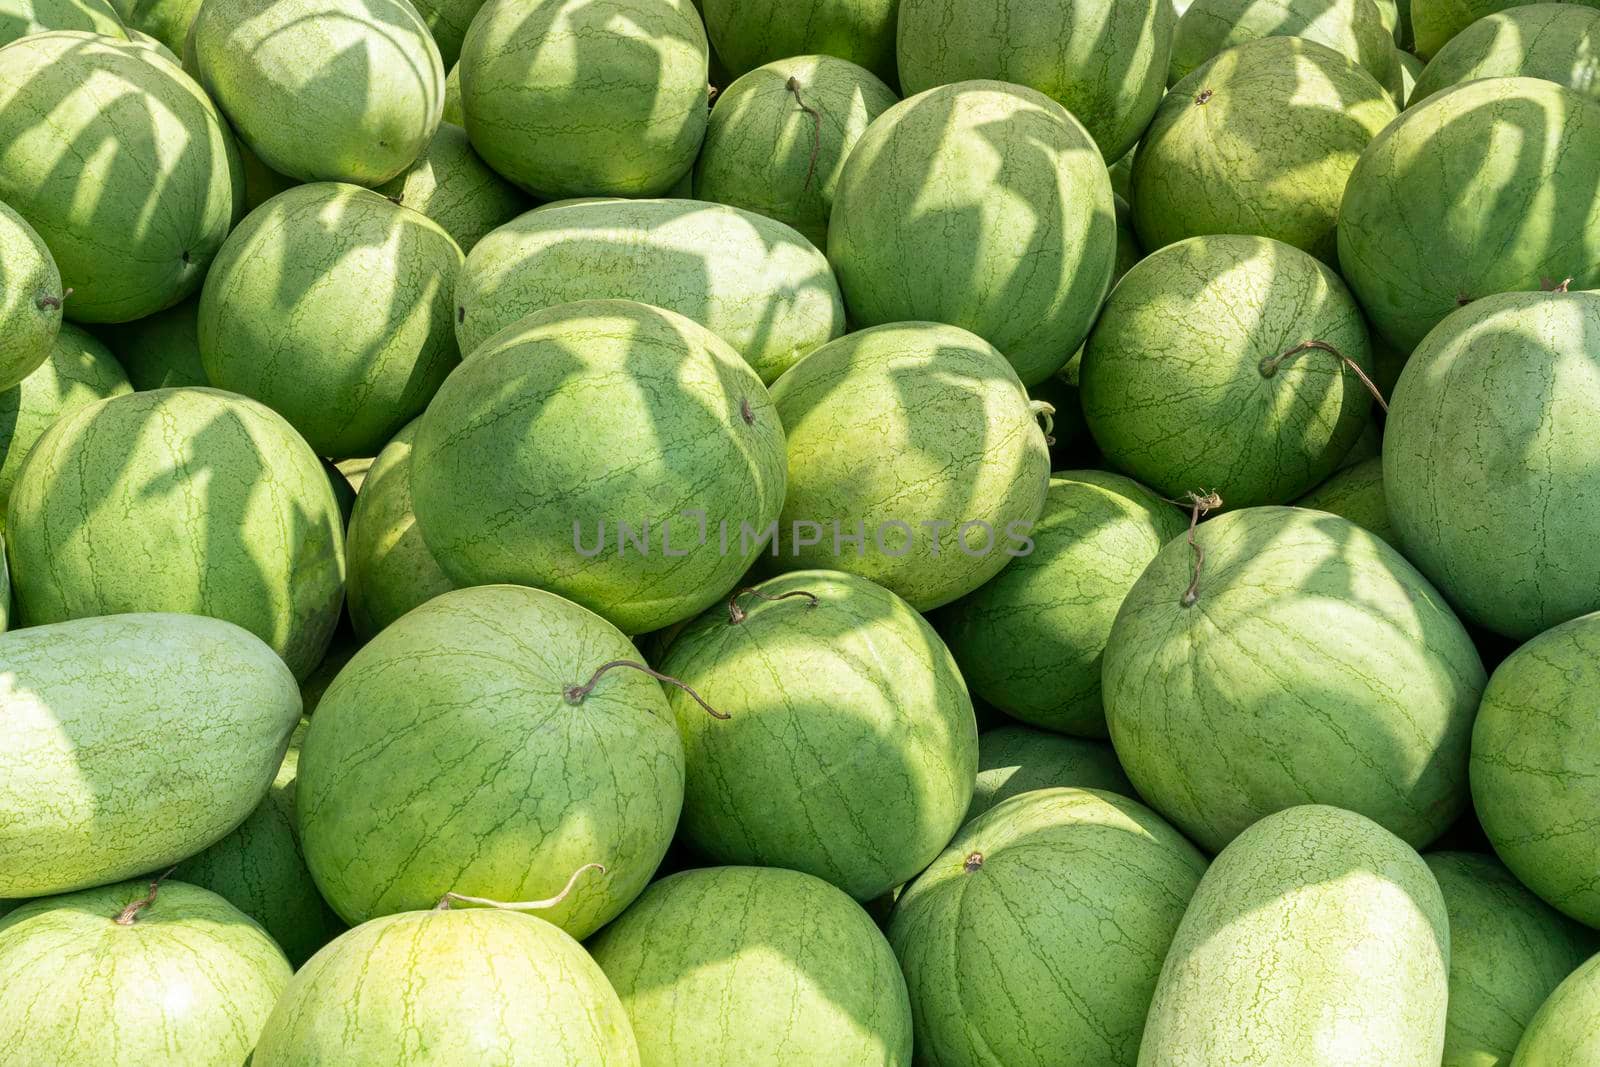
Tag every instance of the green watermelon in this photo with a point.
(1313, 665)
(160, 351)
(30, 299)
(1437, 22)
(778, 138)
(1260, 140)
(1565, 1032)
(130, 743)
(755, 967)
(1556, 42)
(331, 305)
(751, 281)
(918, 441)
(1356, 29)
(449, 987)
(750, 33)
(164, 197)
(1103, 60)
(586, 97)
(1495, 178)
(168, 21)
(107, 978)
(1403, 86)
(452, 98)
(850, 746)
(982, 205)
(19, 18)
(453, 187)
(1036, 938)
(1316, 939)
(1200, 373)
(1491, 425)
(1030, 640)
(1356, 493)
(524, 783)
(1016, 759)
(447, 21)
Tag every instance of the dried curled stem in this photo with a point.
(1199, 505)
(575, 694)
(737, 614)
(1270, 365)
(449, 899)
(1550, 285)
(1046, 414)
(816, 129)
(128, 914)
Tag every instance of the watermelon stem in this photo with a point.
(522, 905)
(816, 129)
(736, 614)
(52, 302)
(1047, 413)
(1199, 505)
(575, 694)
(1270, 365)
(128, 914)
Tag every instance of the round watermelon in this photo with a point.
(1437, 22)
(1566, 1029)
(1017, 759)
(160, 351)
(1356, 493)
(168, 21)
(1556, 42)
(1354, 28)
(749, 33)
(447, 21)
(453, 187)
(30, 299)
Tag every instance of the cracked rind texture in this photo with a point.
(517, 787)
(1536, 765)
(851, 745)
(755, 967)
(188, 984)
(184, 500)
(1565, 1032)
(332, 305)
(1017, 759)
(1030, 640)
(1437, 22)
(131, 742)
(754, 282)
(1317, 939)
(750, 33)
(150, 145)
(323, 90)
(1491, 463)
(448, 988)
(20, 18)
(391, 570)
(767, 153)
(160, 351)
(586, 97)
(1482, 189)
(453, 187)
(1105, 61)
(612, 425)
(1261, 140)
(1556, 42)
(259, 869)
(1508, 950)
(1356, 493)
(1172, 379)
(168, 21)
(909, 423)
(982, 205)
(1036, 938)
(1354, 28)
(1316, 667)
(27, 276)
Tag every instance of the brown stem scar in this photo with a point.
(745, 412)
(575, 694)
(816, 130)
(129, 913)
(737, 614)
(1270, 365)
(1205, 96)
(973, 862)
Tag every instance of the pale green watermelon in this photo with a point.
(19, 18)
(1556, 42)
(453, 187)
(168, 21)
(160, 351)
(1017, 759)
(749, 33)
(30, 299)
(1355, 29)
(1437, 22)
(1566, 1030)
(447, 21)
(1356, 493)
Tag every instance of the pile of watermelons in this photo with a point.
(831, 533)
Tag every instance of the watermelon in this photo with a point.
(1565, 1032)
(1356, 493)
(160, 351)
(19, 18)
(1016, 759)
(165, 197)
(982, 205)
(168, 21)
(917, 441)
(1030, 640)
(452, 98)
(133, 975)
(1356, 29)
(449, 987)
(844, 711)
(1403, 85)
(453, 187)
(1556, 42)
(750, 33)
(751, 281)
(130, 743)
(1312, 665)
(1362, 978)
(331, 305)
(30, 299)
(1036, 938)
(1437, 22)
(447, 21)
(758, 967)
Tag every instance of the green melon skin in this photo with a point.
(1565, 1032)
(1508, 950)
(188, 983)
(1445, 170)
(168, 21)
(914, 424)
(1316, 939)
(130, 743)
(1403, 85)
(1354, 28)
(1556, 42)
(184, 500)
(1260, 140)
(851, 746)
(1488, 426)
(452, 98)
(605, 417)
(1017, 759)
(766, 153)
(586, 97)
(751, 33)
(753, 282)
(165, 197)
(1316, 666)
(449, 988)
(982, 205)
(323, 90)
(1356, 493)
(79, 371)
(1437, 22)
(5, 590)
(160, 351)
(756, 967)
(522, 788)
(1176, 387)
(1036, 938)
(1030, 640)
(30, 299)
(447, 21)
(453, 187)
(1105, 61)
(331, 305)
(1536, 765)
(19, 18)
(345, 644)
